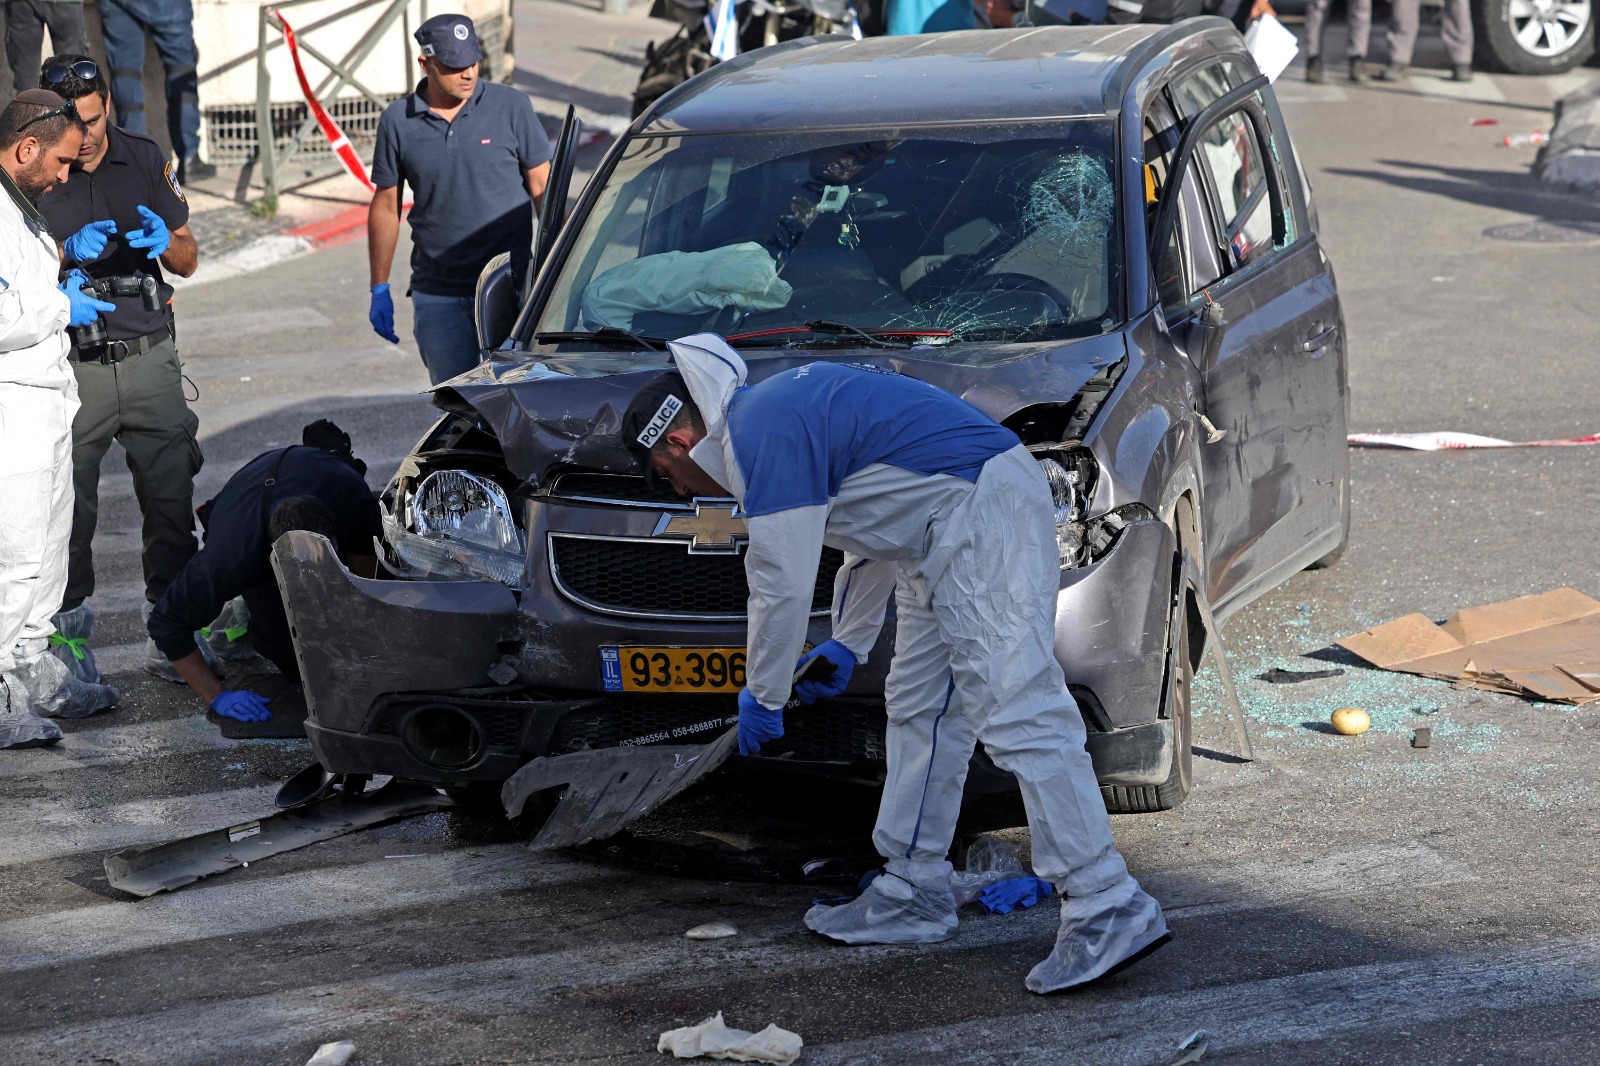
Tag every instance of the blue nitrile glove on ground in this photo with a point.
(241, 706)
(1003, 897)
(757, 724)
(84, 308)
(89, 243)
(381, 314)
(154, 235)
(826, 688)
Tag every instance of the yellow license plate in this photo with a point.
(648, 669)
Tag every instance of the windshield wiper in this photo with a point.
(604, 335)
(881, 338)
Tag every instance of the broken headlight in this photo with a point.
(460, 526)
(1071, 476)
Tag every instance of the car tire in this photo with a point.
(1182, 651)
(481, 799)
(1495, 24)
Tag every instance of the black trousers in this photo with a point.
(139, 402)
(269, 628)
(25, 23)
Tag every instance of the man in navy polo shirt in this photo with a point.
(477, 161)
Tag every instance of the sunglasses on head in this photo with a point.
(69, 109)
(83, 69)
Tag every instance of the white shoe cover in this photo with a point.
(74, 630)
(235, 619)
(54, 692)
(19, 726)
(157, 664)
(893, 910)
(1099, 933)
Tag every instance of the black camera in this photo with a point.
(91, 340)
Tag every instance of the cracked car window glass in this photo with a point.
(1000, 234)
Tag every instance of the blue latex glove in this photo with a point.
(757, 724)
(381, 314)
(84, 308)
(1003, 897)
(826, 688)
(89, 243)
(154, 235)
(241, 705)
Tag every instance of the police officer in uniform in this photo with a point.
(123, 213)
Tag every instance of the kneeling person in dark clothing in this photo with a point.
(318, 486)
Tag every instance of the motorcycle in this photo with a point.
(758, 23)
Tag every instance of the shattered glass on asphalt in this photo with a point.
(995, 235)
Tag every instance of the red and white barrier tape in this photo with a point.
(1446, 441)
(330, 129)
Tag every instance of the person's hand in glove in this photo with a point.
(381, 314)
(819, 684)
(84, 308)
(757, 724)
(241, 705)
(153, 235)
(89, 243)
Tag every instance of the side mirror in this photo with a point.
(495, 304)
(1205, 335)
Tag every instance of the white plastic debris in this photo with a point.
(712, 931)
(336, 1054)
(714, 1039)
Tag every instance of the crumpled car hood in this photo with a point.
(566, 410)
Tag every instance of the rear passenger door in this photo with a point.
(1271, 484)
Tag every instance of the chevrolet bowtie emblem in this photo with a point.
(711, 529)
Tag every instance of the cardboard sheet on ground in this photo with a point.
(1545, 646)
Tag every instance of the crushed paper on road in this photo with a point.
(1545, 647)
(713, 1039)
(335, 1054)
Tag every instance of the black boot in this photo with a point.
(1314, 71)
(1358, 70)
(1461, 72)
(192, 169)
(1393, 72)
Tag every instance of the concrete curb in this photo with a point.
(263, 252)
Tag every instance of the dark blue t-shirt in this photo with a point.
(467, 180)
(798, 435)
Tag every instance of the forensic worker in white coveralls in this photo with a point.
(934, 502)
(40, 134)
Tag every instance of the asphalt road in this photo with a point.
(1343, 900)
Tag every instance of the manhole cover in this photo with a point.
(1547, 231)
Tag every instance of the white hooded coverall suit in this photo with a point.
(38, 398)
(933, 501)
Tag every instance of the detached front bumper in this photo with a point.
(358, 641)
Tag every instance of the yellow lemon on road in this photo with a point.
(1351, 721)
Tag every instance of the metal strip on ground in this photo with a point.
(146, 871)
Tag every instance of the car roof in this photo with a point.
(947, 78)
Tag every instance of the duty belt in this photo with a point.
(117, 351)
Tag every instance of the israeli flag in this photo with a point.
(724, 30)
(855, 25)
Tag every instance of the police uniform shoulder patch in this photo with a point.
(172, 180)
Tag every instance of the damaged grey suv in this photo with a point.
(1100, 236)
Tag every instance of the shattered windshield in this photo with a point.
(938, 236)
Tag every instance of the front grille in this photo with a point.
(837, 731)
(500, 725)
(618, 488)
(645, 579)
